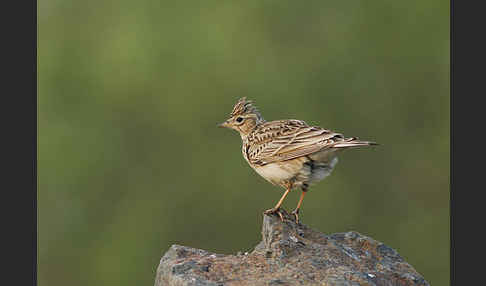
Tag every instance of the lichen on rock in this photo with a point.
(291, 254)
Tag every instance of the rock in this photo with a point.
(291, 254)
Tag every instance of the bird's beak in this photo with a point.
(224, 124)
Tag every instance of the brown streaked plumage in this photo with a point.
(288, 153)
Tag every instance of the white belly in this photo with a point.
(278, 172)
(275, 173)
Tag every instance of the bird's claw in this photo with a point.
(274, 210)
(296, 214)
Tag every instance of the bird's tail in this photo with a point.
(353, 142)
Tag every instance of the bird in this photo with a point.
(287, 153)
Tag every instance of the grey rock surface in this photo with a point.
(291, 254)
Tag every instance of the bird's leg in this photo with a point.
(276, 209)
(296, 211)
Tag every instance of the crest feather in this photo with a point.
(244, 106)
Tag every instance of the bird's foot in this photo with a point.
(296, 214)
(274, 210)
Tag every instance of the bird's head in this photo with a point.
(244, 117)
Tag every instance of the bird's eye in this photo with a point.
(239, 119)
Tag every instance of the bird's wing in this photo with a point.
(287, 139)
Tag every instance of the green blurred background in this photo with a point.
(130, 160)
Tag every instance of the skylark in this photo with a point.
(288, 153)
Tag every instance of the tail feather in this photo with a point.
(354, 142)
